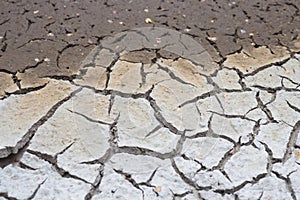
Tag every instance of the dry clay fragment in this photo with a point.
(250, 61)
(19, 113)
(6, 84)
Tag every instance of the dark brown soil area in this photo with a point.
(53, 36)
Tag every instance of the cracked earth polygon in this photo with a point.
(149, 115)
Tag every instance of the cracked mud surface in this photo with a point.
(150, 115)
(50, 37)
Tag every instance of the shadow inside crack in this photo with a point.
(13, 158)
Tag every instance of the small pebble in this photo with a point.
(148, 21)
(212, 38)
(110, 21)
(36, 12)
(243, 31)
(36, 60)
(50, 34)
(46, 59)
(70, 34)
(146, 10)
(157, 189)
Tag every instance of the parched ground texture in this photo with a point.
(149, 100)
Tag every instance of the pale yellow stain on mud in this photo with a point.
(288, 73)
(249, 61)
(297, 154)
(102, 100)
(275, 134)
(186, 71)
